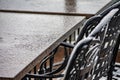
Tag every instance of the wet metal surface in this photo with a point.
(23, 37)
(87, 7)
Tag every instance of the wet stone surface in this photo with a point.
(23, 37)
(55, 6)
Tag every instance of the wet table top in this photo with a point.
(79, 7)
(26, 38)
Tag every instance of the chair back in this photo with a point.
(108, 46)
(82, 60)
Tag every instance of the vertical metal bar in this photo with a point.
(70, 38)
(51, 64)
(45, 67)
(78, 31)
(74, 36)
(29, 78)
(35, 71)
